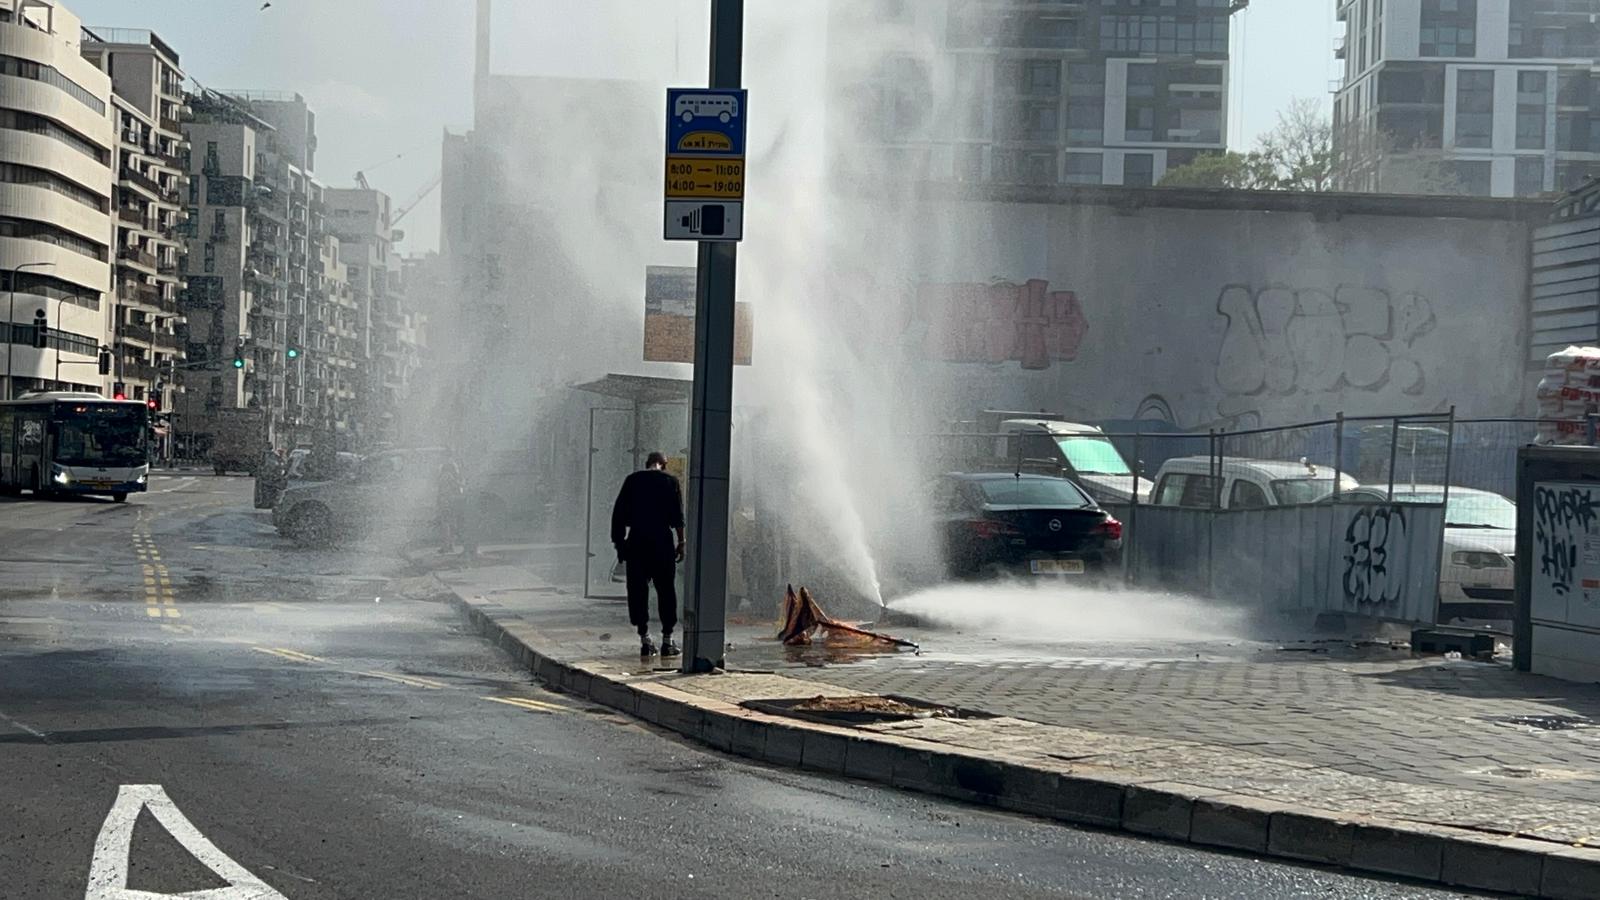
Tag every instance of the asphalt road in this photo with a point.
(320, 725)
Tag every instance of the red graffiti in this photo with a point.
(993, 323)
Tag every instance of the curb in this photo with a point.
(1171, 811)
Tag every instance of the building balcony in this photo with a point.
(136, 218)
(137, 258)
(132, 332)
(141, 181)
(171, 124)
(138, 371)
(167, 342)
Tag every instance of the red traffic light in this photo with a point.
(153, 403)
(119, 396)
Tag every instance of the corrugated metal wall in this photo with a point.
(1373, 559)
(1566, 287)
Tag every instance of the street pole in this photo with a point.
(11, 323)
(711, 416)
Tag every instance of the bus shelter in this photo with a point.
(631, 416)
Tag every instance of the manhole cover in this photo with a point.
(1545, 723)
(861, 710)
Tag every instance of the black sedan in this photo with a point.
(996, 523)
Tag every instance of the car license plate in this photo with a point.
(1057, 566)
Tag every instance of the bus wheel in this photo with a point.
(119, 497)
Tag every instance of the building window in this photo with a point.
(1039, 168)
(968, 162)
(1449, 28)
(211, 257)
(194, 190)
(28, 229)
(1139, 169)
(1474, 108)
(1531, 106)
(1182, 35)
(27, 68)
(1085, 168)
(1140, 123)
(1474, 176)
(1086, 123)
(17, 174)
(1530, 176)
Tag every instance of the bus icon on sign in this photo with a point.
(722, 107)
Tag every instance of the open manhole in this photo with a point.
(868, 709)
(1545, 723)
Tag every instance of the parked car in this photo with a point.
(1244, 483)
(1000, 522)
(1476, 575)
(393, 492)
(298, 468)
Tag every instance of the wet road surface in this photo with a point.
(323, 726)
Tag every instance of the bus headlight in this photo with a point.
(61, 475)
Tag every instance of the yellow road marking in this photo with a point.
(149, 581)
(173, 614)
(153, 612)
(291, 655)
(404, 679)
(169, 600)
(527, 703)
(165, 581)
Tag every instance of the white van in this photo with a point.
(1246, 483)
(1082, 453)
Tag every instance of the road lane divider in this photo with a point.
(529, 704)
(291, 655)
(403, 679)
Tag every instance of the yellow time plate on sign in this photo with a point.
(701, 178)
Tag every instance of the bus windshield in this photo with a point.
(1093, 455)
(101, 435)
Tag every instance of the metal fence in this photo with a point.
(1344, 514)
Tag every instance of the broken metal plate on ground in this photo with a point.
(866, 709)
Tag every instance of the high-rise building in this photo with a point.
(152, 187)
(57, 150)
(1498, 96)
(254, 228)
(1024, 91)
(359, 218)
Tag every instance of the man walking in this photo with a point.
(647, 515)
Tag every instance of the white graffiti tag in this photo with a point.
(1285, 340)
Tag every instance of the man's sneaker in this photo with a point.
(646, 648)
(668, 648)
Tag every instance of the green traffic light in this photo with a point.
(294, 352)
(238, 363)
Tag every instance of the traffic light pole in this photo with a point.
(711, 418)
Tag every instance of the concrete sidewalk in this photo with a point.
(1457, 772)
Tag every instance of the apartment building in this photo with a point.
(57, 150)
(1503, 94)
(1027, 91)
(360, 218)
(152, 184)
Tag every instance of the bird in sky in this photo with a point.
(267, 4)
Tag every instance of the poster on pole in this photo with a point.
(669, 317)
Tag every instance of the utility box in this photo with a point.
(1558, 563)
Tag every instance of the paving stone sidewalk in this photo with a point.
(1354, 732)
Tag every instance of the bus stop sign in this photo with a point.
(705, 164)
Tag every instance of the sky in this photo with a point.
(386, 78)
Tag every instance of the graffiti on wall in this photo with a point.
(1287, 340)
(1001, 322)
(1563, 533)
(1374, 555)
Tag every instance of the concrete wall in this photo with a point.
(1212, 316)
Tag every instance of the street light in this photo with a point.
(11, 325)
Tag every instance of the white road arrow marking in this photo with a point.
(108, 871)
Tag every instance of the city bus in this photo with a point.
(72, 443)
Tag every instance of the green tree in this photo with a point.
(1240, 171)
(1296, 155)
